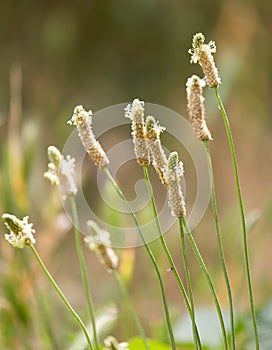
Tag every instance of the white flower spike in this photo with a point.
(61, 171)
(20, 231)
(202, 54)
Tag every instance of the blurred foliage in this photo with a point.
(58, 54)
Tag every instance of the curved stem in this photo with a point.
(188, 279)
(210, 283)
(188, 303)
(124, 290)
(241, 207)
(220, 243)
(83, 269)
(149, 252)
(63, 298)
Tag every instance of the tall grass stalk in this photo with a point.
(188, 278)
(150, 254)
(220, 243)
(83, 269)
(208, 278)
(242, 214)
(125, 293)
(189, 303)
(63, 298)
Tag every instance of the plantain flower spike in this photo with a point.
(175, 196)
(202, 54)
(159, 160)
(83, 121)
(135, 112)
(99, 241)
(111, 343)
(196, 109)
(20, 231)
(60, 172)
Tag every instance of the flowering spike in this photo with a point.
(99, 241)
(196, 107)
(83, 121)
(112, 344)
(174, 174)
(20, 231)
(60, 172)
(202, 53)
(135, 112)
(153, 131)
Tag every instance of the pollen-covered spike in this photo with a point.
(61, 171)
(83, 121)
(99, 241)
(196, 109)
(175, 196)
(135, 112)
(153, 131)
(20, 231)
(202, 53)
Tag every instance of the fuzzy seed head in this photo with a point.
(135, 112)
(159, 160)
(202, 54)
(83, 121)
(99, 241)
(196, 109)
(20, 231)
(175, 196)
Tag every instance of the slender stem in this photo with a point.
(149, 252)
(170, 259)
(210, 283)
(83, 269)
(137, 321)
(241, 207)
(188, 280)
(63, 298)
(220, 243)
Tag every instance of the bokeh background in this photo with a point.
(55, 55)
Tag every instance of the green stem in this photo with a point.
(149, 252)
(188, 280)
(83, 269)
(189, 305)
(241, 207)
(210, 283)
(220, 243)
(124, 290)
(63, 298)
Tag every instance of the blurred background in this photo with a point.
(55, 55)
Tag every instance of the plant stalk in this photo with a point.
(188, 303)
(83, 269)
(125, 293)
(220, 243)
(210, 283)
(243, 221)
(149, 252)
(63, 298)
